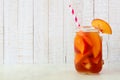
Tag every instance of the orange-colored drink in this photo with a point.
(88, 50)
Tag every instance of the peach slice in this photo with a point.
(85, 37)
(78, 58)
(102, 25)
(82, 58)
(97, 59)
(88, 66)
(76, 50)
(81, 43)
(96, 67)
(86, 63)
(97, 43)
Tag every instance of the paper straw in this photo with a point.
(74, 16)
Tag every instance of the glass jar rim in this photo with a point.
(87, 29)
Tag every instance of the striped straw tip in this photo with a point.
(69, 5)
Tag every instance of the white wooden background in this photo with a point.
(42, 31)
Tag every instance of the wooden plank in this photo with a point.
(114, 49)
(83, 10)
(69, 31)
(78, 6)
(101, 10)
(41, 31)
(18, 38)
(10, 31)
(1, 31)
(87, 12)
(56, 54)
(114, 11)
(25, 31)
(114, 20)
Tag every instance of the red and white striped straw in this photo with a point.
(74, 16)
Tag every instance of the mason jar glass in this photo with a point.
(88, 50)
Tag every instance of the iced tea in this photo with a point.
(88, 50)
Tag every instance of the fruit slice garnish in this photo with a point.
(102, 25)
(82, 58)
(97, 43)
(86, 63)
(76, 50)
(96, 60)
(78, 58)
(84, 36)
(81, 43)
(88, 66)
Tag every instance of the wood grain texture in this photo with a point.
(41, 31)
(69, 31)
(114, 19)
(18, 36)
(10, 31)
(1, 31)
(56, 54)
(101, 9)
(25, 31)
(87, 12)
